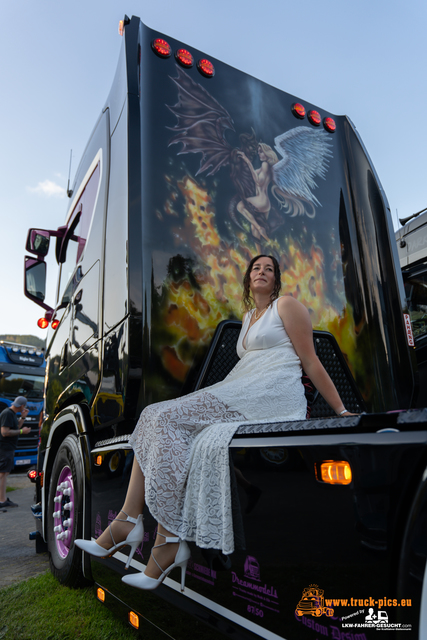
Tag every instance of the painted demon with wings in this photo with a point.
(304, 152)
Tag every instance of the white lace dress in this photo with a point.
(182, 445)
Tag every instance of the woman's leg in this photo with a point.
(133, 506)
(165, 555)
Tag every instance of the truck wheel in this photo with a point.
(65, 515)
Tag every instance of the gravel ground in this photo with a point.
(18, 557)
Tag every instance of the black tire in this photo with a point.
(65, 515)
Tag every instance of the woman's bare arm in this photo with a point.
(297, 323)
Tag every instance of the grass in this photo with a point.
(11, 489)
(42, 608)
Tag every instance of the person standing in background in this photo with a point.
(10, 429)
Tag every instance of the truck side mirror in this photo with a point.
(38, 242)
(35, 281)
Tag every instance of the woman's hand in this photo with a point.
(346, 414)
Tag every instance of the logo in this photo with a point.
(408, 327)
(252, 569)
(312, 603)
(380, 618)
(376, 618)
(260, 598)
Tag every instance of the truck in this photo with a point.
(162, 221)
(22, 369)
(411, 240)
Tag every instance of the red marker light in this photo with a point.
(42, 323)
(206, 68)
(314, 117)
(161, 48)
(184, 58)
(298, 110)
(329, 124)
(32, 474)
(54, 324)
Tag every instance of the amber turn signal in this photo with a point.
(134, 620)
(334, 472)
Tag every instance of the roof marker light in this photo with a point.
(298, 110)
(206, 68)
(329, 124)
(121, 27)
(184, 58)
(314, 117)
(42, 323)
(161, 48)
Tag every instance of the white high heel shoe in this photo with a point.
(141, 581)
(133, 540)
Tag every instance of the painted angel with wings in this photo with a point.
(304, 155)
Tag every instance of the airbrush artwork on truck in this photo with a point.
(237, 197)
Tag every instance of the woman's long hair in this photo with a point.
(247, 300)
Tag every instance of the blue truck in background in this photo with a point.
(22, 369)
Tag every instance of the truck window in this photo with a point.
(78, 234)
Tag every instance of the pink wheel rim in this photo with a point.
(63, 515)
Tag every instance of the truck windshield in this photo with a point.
(14, 384)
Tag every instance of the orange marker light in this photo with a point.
(335, 472)
(134, 619)
(121, 27)
(98, 461)
(206, 68)
(161, 48)
(42, 323)
(100, 594)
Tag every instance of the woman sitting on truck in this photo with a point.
(181, 466)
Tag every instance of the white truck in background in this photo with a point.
(412, 249)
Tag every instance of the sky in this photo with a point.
(364, 59)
